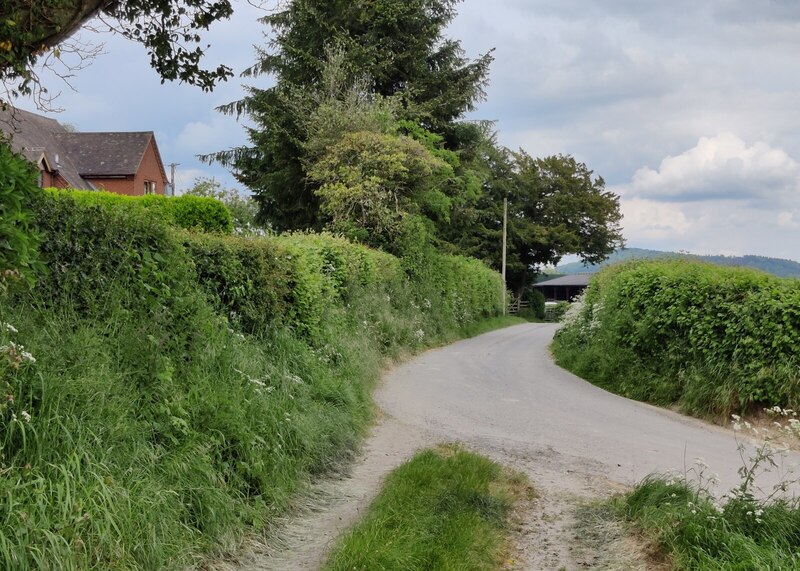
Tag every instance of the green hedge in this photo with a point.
(187, 211)
(18, 238)
(188, 385)
(711, 338)
(247, 280)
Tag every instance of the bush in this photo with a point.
(713, 339)
(18, 237)
(187, 211)
(186, 386)
(536, 304)
(247, 280)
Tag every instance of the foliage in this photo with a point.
(396, 46)
(166, 28)
(246, 281)
(369, 182)
(443, 509)
(145, 425)
(555, 207)
(188, 211)
(536, 303)
(18, 237)
(243, 209)
(699, 534)
(713, 339)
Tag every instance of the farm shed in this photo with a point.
(565, 288)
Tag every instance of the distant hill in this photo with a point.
(776, 266)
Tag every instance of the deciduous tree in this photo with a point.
(169, 29)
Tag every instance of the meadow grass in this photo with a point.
(443, 509)
(696, 533)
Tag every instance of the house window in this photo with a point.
(149, 187)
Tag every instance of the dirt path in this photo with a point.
(500, 394)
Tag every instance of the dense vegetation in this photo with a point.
(189, 211)
(443, 509)
(362, 133)
(714, 340)
(166, 390)
(776, 266)
(698, 533)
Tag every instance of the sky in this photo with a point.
(690, 111)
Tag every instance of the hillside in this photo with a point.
(776, 266)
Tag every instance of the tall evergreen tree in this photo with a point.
(397, 45)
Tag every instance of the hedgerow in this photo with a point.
(167, 391)
(186, 211)
(713, 339)
(18, 238)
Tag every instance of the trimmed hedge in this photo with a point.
(187, 385)
(713, 339)
(247, 280)
(187, 211)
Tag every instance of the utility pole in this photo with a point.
(172, 176)
(505, 234)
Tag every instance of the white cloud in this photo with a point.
(723, 167)
(217, 133)
(646, 220)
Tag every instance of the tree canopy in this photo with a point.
(169, 30)
(396, 46)
(555, 207)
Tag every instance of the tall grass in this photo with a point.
(161, 427)
(697, 534)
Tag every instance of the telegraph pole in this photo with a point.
(505, 234)
(172, 176)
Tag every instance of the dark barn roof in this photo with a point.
(575, 280)
(106, 154)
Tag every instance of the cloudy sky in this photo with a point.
(689, 110)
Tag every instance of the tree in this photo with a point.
(242, 208)
(555, 207)
(167, 28)
(371, 182)
(396, 45)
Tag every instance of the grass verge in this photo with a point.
(443, 509)
(697, 534)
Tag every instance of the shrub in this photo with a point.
(248, 280)
(536, 301)
(148, 430)
(711, 338)
(18, 237)
(187, 211)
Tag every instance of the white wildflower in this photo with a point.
(25, 416)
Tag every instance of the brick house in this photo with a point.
(121, 162)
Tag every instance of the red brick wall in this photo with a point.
(150, 169)
(117, 185)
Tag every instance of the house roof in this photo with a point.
(78, 157)
(573, 280)
(106, 154)
(36, 138)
